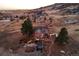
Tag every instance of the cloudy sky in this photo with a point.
(30, 4)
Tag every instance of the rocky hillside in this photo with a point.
(62, 8)
(56, 12)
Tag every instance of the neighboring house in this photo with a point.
(71, 21)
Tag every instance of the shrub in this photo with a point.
(63, 36)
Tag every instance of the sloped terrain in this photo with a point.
(53, 17)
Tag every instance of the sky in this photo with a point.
(30, 4)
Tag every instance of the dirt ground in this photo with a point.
(72, 48)
(10, 35)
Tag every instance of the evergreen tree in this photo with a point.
(27, 27)
(63, 36)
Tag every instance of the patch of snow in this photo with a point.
(29, 45)
(62, 51)
(4, 20)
